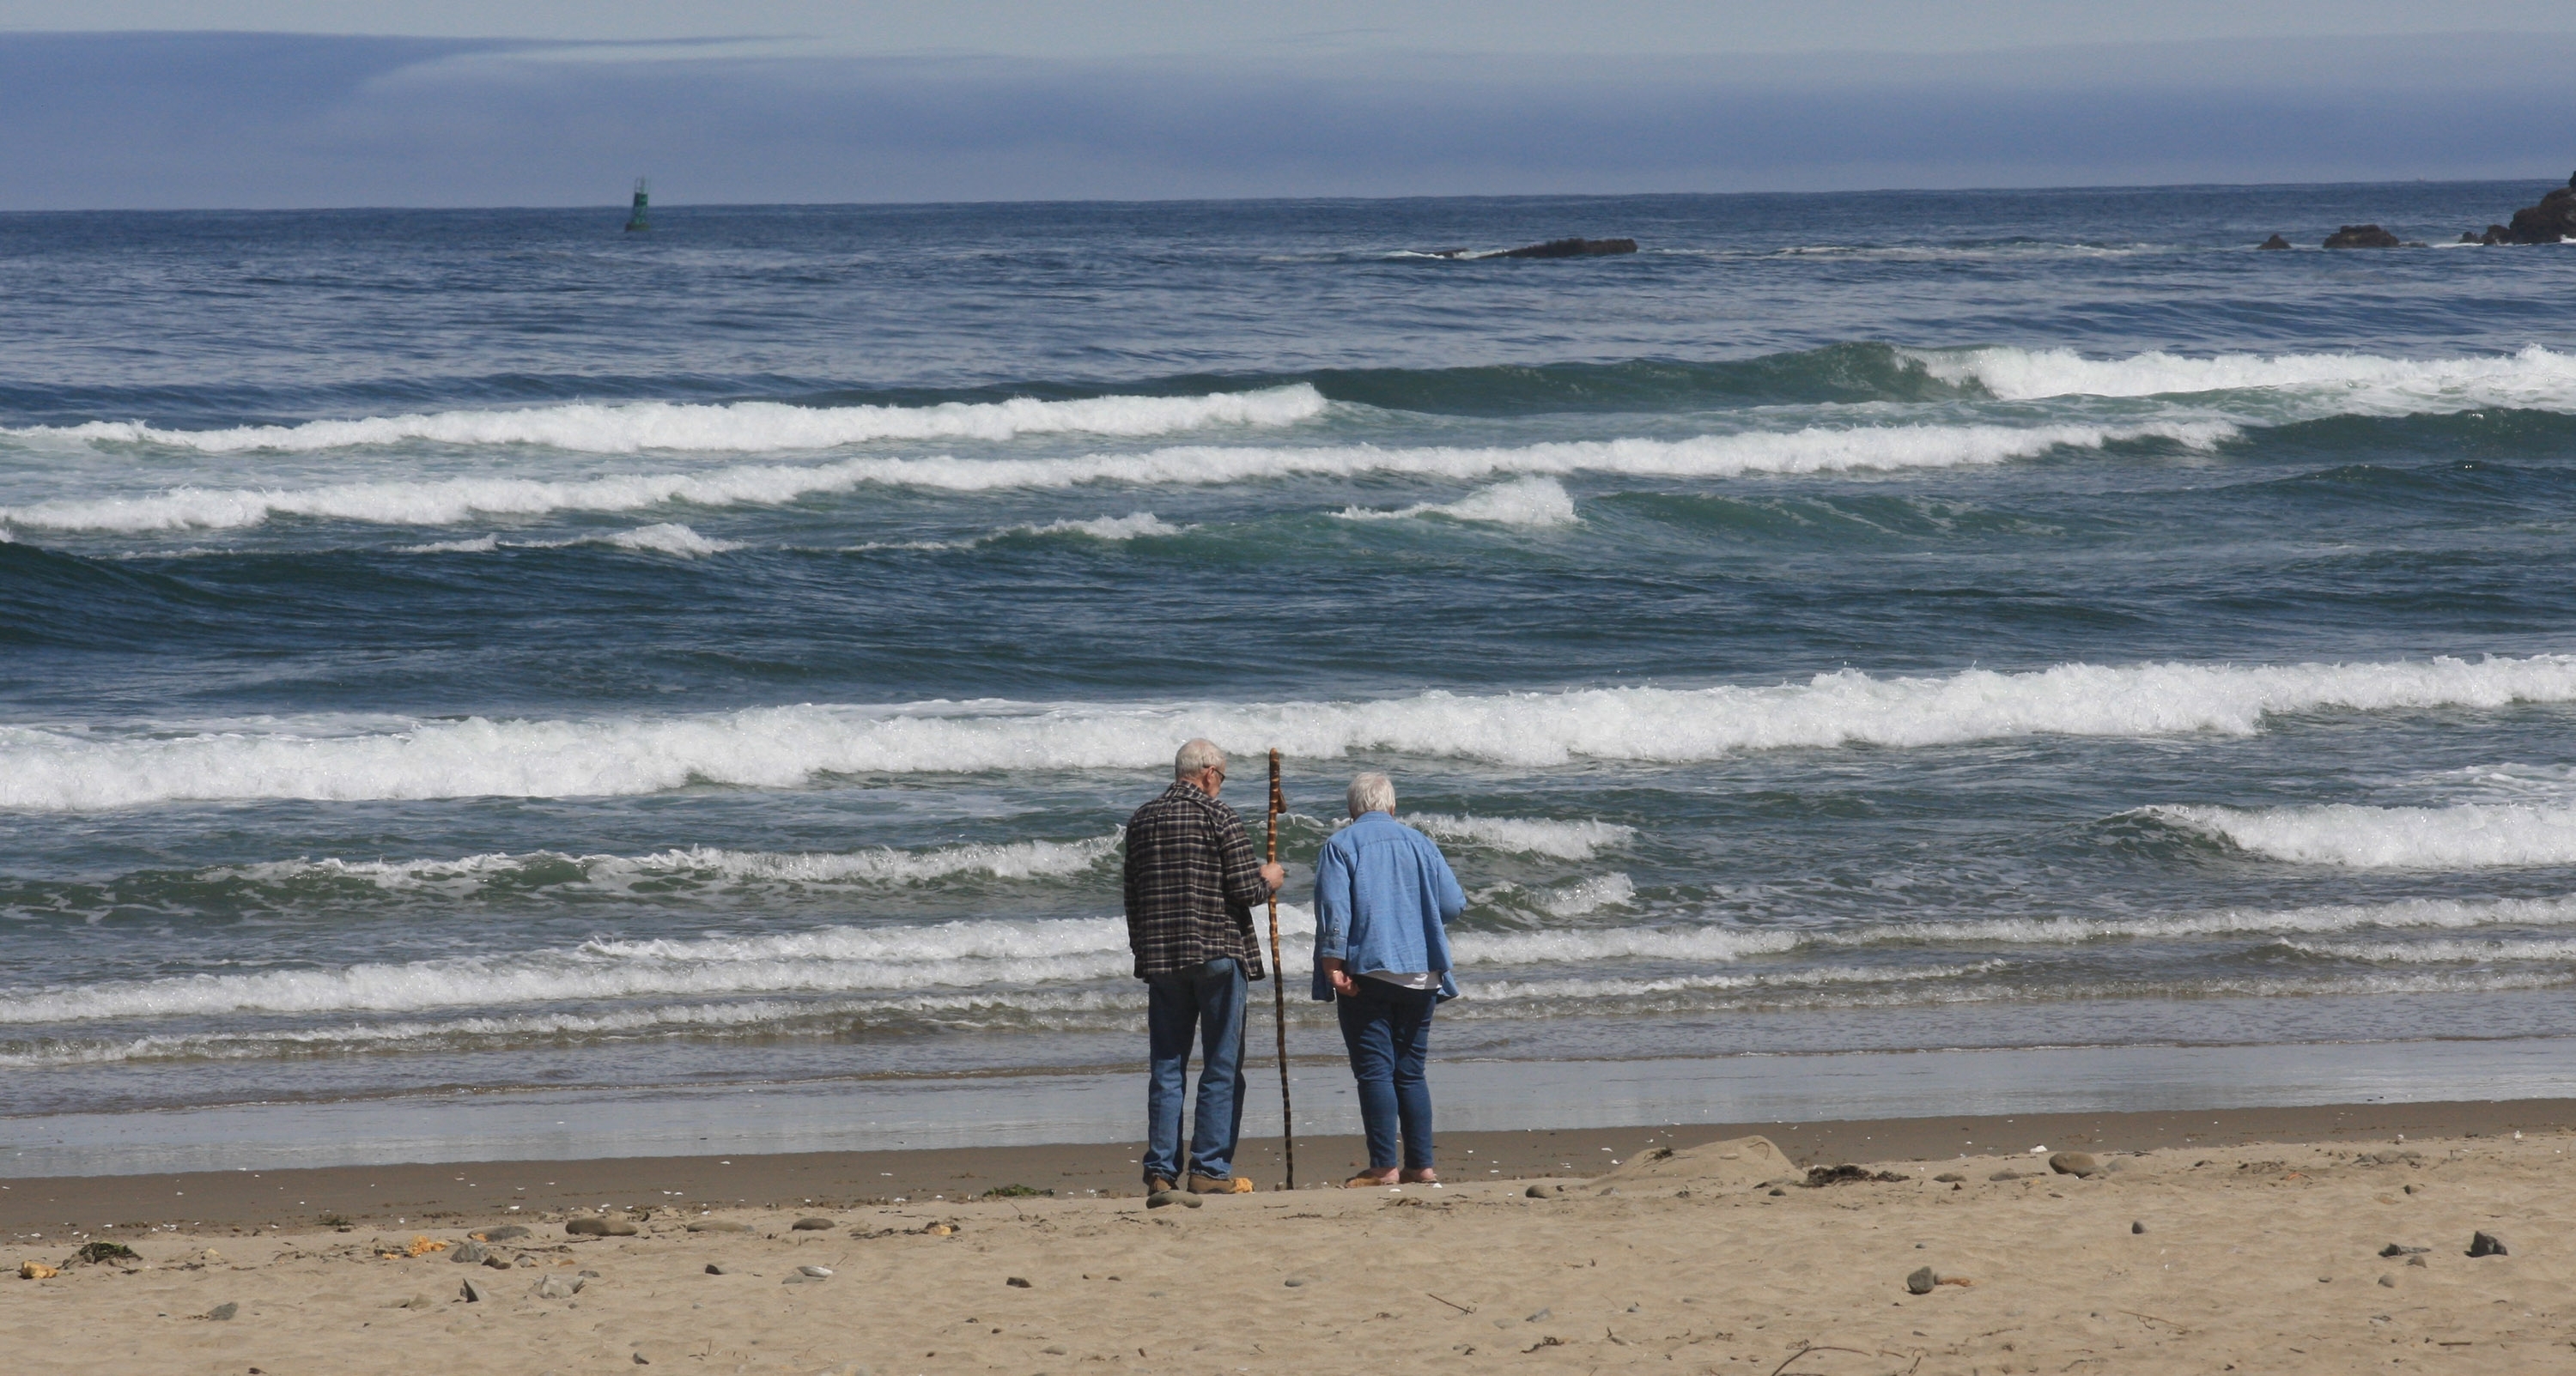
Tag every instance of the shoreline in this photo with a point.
(404, 1194)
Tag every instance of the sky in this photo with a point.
(299, 103)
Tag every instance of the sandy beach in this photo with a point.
(1698, 1251)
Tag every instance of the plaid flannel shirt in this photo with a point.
(1191, 882)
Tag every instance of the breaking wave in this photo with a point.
(448, 501)
(2535, 379)
(743, 426)
(49, 768)
(1525, 502)
(2461, 837)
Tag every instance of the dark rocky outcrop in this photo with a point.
(1553, 248)
(2363, 236)
(2276, 241)
(2549, 222)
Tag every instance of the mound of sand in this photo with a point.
(1737, 1162)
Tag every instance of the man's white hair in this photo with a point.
(1196, 757)
(1371, 792)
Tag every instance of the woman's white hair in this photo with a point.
(1371, 793)
(1195, 758)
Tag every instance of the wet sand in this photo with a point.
(2187, 1257)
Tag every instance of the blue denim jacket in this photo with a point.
(1382, 893)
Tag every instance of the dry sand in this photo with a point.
(2260, 1258)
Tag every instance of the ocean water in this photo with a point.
(486, 653)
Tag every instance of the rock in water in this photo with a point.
(2486, 1245)
(2276, 241)
(2363, 236)
(2074, 1163)
(1553, 248)
(1922, 1281)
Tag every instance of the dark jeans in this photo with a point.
(1389, 1033)
(1207, 1002)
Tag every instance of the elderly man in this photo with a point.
(1383, 897)
(1191, 882)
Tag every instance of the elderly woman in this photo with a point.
(1383, 893)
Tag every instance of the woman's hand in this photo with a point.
(1340, 974)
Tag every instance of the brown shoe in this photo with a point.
(1366, 1181)
(1155, 1184)
(1208, 1184)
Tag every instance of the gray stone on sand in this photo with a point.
(469, 1253)
(2137, 1227)
(1539, 1192)
(1542, 1314)
(505, 1233)
(2389, 1281)
(472, 1293)
(1921, 1281)
(714, 1270)
(590, 1226)
(2486, 1245)
(720, 1225)
(2081, 1165)
(1294, 1282)
(2006, 1174)
(811, 1225)
(1948, 1178)
(1019, 1283)
(1165, 1198)
(2399, 1249)
(223, 1312)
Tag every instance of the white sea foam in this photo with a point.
(1522, 502)
(2461, 837)
(1111, 528)
(668, 538)
(481, 545)
(452, 500)
(1588, 896)
(1578, 840)
(2407, 914)
(2535, 379)
(1015, 860)
(744, 426)
(779, 747)
(2555, 950)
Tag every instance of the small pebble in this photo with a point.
(810, 1225)
(1019, 1283)
(1921, 1281)
(2389, 1281)
(2135, 1228)
(222, 1312)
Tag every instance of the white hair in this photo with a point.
(1371, 792)
(1195, 758)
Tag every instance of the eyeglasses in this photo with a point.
(1219, 773)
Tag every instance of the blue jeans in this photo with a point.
(1207, 1002)
(1388, 1031)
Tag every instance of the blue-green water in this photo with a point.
(473, 650)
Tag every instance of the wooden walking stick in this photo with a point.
(1279, 987)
